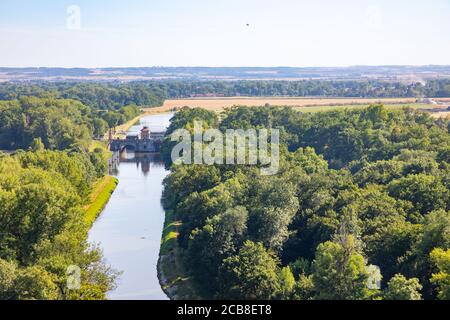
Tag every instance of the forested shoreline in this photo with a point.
(44, 230)
(361, 195)
(46, 200)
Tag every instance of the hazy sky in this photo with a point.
(101, 33)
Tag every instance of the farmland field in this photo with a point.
(220, 103)
(300, 104)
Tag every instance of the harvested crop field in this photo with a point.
(220, 103)
(302, 104)
(445, 114)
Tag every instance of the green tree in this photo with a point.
(100, 127)
(340, 272)
(287, 282)
(195, 209)
(37, 145)
(34, 283)
(441, 259)
(425, 192)
(271, 211)
(130, 112)
(8, 275)
(400, 288)
(304, 288)
(186, 179)
(251, 274)
(220, 238)
(39, 209)
(435, 234)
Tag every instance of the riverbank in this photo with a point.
(171, 274)
(99, 197)
(130, 227)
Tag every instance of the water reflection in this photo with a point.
(130, 227)
(142, 161)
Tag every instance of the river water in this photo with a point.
(130, 227)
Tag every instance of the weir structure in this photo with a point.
(144, 142)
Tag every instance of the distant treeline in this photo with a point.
(107, 96)
(96, 95)
(369, 89)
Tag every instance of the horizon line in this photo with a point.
(222, 67)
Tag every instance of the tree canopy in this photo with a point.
(358, 209)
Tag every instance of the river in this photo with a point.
(130, 227)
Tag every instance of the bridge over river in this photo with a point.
(145, 141)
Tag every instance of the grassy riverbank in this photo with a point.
(99, 197)
(172, 276)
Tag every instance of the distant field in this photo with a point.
(441, 115)
(362, 106)
(300, 104)
(221, 103)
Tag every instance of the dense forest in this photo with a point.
(355, 190)
(113, 96)
(106, 96)
(45, 188)
(361, 196)
(43, 229)
(58, 123)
